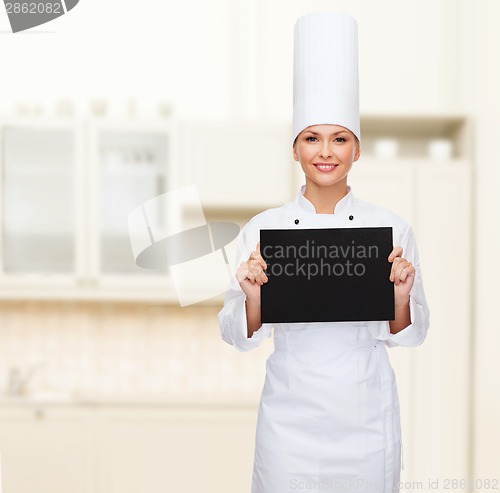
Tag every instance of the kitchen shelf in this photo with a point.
(413, 134)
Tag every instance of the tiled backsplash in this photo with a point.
(123, 351)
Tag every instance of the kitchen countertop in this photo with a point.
(232, 401)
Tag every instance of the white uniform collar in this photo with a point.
(343, 205)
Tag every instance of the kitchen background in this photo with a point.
(108, 385)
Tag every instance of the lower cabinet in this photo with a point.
(84, 449)
(189, 450)
(45, 450)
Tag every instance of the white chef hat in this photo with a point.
(325, 72)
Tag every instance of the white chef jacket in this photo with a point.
(329, 413)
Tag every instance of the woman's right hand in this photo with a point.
(251, 275)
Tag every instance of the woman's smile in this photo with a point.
(325, 167)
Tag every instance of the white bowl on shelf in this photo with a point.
(440, 149)
(386, 148)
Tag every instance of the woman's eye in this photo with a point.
(340, 139)
(311, 138)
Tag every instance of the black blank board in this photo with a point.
(327, 275)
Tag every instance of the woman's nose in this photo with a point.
(326, 150)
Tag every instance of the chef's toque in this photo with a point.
(325, 72)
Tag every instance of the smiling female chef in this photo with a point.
(329, 412)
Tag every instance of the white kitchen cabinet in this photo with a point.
(130, 162)
(69, 186)
(410, 54)
(103, 448)
(189, 450)
(42, 208)
(239, 165)
(130, 168)
(46, 450)
(441, 386)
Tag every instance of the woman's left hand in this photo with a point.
(402, 275)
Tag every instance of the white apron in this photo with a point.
(329, 415)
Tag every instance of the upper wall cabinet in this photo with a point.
(129, 164)
(41, 209)
(239, 164)
(412, 55)
(68, 187)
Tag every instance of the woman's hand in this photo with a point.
(402, 275)
(251, 275)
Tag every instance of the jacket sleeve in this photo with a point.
(415, 333)
(232, 317)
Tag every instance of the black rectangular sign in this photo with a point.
(327, 275)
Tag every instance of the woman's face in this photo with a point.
(326, 153)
